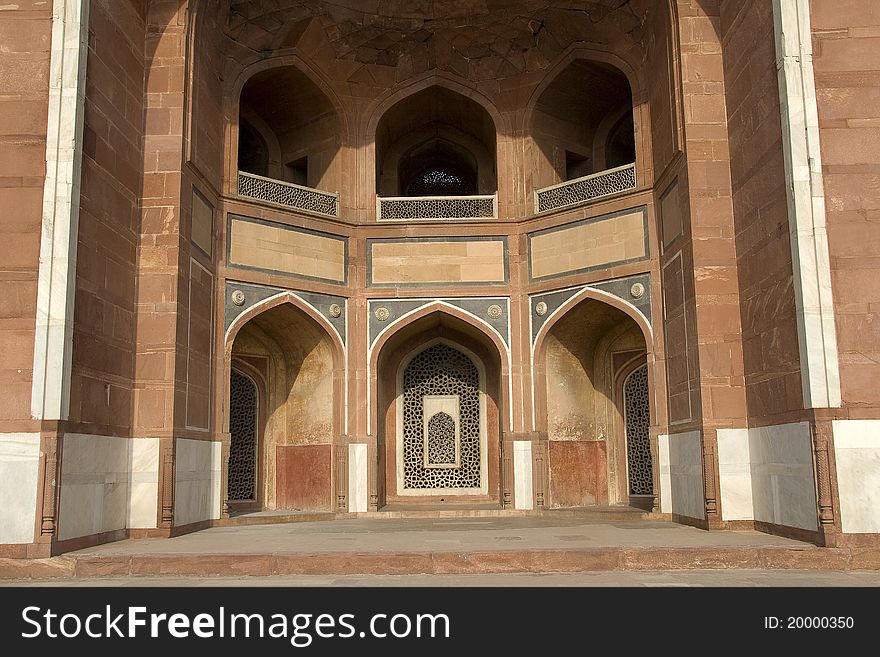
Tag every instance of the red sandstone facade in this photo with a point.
(681, 190)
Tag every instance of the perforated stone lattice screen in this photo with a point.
(638, 443)
(585, 189)
(288, 194)
(440, 207)
(243, 447)
(441, 440)
(441, 370)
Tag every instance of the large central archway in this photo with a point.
(438, 421)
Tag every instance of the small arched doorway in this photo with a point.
(637, 429)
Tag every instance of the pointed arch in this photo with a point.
(278, 300)
(481, 329)
(340, 354)
(539, 350)
(425, 81)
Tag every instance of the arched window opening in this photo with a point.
(438, 168)
(438, 452)
(288, 129)
(435, 142)
(583, 122)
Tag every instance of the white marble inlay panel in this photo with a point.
(357, 478)
(857, 453)
(686, 475)
(197, 481)
(523, 492)
(735, 474)
(94, 485)
(783, 486)
(665, 474)
(143, 504)
(19, 468)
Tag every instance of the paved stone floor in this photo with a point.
(566, 549)
(566, 531)
(690, 578)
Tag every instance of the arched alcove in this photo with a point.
(584, 358)
(282, 106)
(296, 362)
(436, 142)
(439, 364)
(582, 121)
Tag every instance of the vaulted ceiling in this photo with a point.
(477, 39)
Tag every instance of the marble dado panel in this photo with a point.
(437, 261)
(604, 241)
(107, 483)
(94, 485)
(358, 487)
(196, 481)
(523, 490)
(19, 468)
(267, 246)
(681, 475)
(143, 506)
(857, 454)
(766, 474)
(735, 475)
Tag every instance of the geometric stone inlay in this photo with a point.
(441, 440)
(549, 302)
(441, 370)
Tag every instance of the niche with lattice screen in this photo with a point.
(441, 422)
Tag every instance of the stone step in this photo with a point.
(444, 562)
